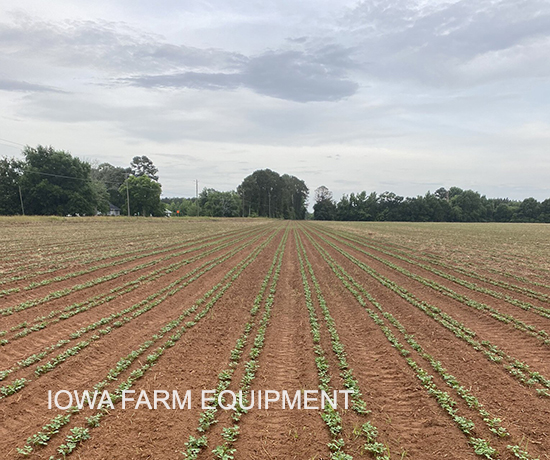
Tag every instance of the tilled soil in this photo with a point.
(410, 420)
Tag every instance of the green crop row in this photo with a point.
(481, 446)
(213, 294)
(64, 292)
(226, 450)
(369, 431)
(541, 335)
(544, 312)
(518, 369)
(79, 307)
(146, 305)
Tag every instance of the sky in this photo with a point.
(394, 95)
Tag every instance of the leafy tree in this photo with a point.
(144, 196)
(322, 193)
(324, 207)
(55, 183)
(219, 204)
(454, 191)
(295, 193)
(343, 208)
(102, 196)
(112, 177)
(544, 211)
(143, 166)
(441, 193)
(503, 213)
(179, 204)
(468, 206)
(10, 173)
(528, 210)
(265, 193)
(389, 204)
(362, 207)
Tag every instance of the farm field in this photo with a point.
(439, 331)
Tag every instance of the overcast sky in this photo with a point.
(399, 95)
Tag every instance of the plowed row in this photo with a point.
(446, 358)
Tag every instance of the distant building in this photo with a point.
(114, 210)
(167, 213)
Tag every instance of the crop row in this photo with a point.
(207, 418)
(470, 273)
(90, 255)
(136, 310)
(480, 445)
(495, 313)
(139, 254)
(545, 312)
(96, 281)
(330, 416)
(66, 251)
(518, 369)
(209, 299)
(79, 307)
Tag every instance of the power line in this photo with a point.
(56, 175)
(12, 142)
(71, 177)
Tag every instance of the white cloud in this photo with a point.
(374, 95)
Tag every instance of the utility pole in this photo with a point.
(128, 193)
(21, 198)
(197, 195)
(269, 201)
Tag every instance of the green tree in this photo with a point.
(544, 209)
(56, 183)
(178, 204)
(389, 205)
(265, 193)
(528, 210)
(295, 193)
(219, 204)
(144, 196)
(467, 206)
(441, 193)
(10, 173)
(143, 166)
(503, 213)
(112, 177)
(102, 196)
(324, 207)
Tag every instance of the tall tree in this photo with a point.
(112, 177)
(143, 166)
(295, 193)
(219, 204)
(144, 196)
(544, 209)
(10, 173)
(56, 183)
(529, 210)
(324, 207)
(265, 193)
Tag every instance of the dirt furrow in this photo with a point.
(401, 409)
(83, 370)
(287, 363)
(506, 337)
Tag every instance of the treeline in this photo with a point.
(264, 193)
(211, 203)
(452, 205)
(53, 182)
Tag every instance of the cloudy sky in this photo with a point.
(400, 95)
